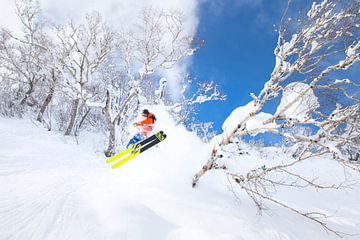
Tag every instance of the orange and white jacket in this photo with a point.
(146, 125)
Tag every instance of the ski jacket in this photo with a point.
(146, 125)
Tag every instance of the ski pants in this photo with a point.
(136, 138)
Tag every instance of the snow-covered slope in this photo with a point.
(52, 188)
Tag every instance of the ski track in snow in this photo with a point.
(52, 188)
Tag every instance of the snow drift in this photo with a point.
(53, 188)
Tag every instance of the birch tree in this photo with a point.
(157, 41)
(29, 61)
(184, 107)
(84, 48)
(24, 58)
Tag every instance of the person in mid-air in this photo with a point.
(145, 127)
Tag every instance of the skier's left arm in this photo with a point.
(145, 122)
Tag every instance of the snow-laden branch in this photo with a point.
(205, 92)
(307, 61)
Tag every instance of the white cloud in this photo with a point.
(117, 13)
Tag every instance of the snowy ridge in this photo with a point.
(52, 188)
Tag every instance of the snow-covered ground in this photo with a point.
(53, 188)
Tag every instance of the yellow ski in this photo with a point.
(136, 149)
(120, 154)
(124, 160)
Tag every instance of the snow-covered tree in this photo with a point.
(25, 58)
(157, 41)
(204, 130)
(84, 48)
(119, 103)
(193, 93)
(310, 56)
(30, 69)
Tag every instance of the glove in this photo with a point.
(135, 124)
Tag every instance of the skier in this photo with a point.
(145, 127)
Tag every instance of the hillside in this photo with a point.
(53, 188)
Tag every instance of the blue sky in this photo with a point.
(238, 53)
(240, 38)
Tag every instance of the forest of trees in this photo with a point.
(75, 76)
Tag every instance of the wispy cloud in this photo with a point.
(118, 13)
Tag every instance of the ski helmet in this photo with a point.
(145, 112)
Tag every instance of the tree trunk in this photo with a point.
(73, 114)
(81, 121)
(48, 97)
(28, 93)
(45, 105)
(110, 125)
(111, 146)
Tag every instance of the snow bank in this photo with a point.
(52, 188)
